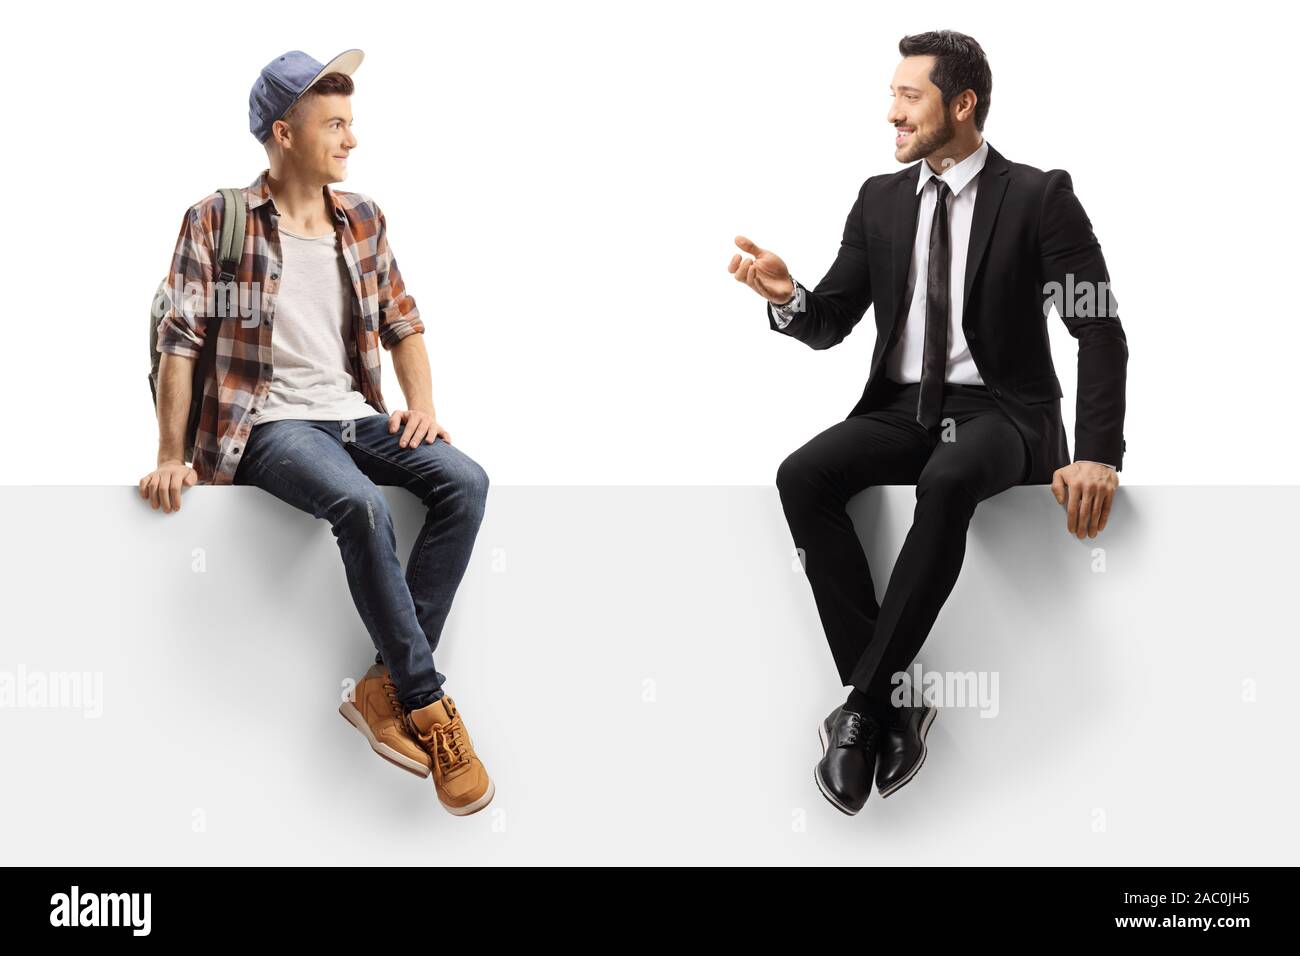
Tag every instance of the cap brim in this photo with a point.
(346, 62)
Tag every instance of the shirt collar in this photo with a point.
(959, 175)
(259, 192)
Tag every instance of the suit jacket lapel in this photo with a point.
(992, 186)
(907, 203)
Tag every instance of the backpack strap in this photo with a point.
(233, 221)
(232, 233)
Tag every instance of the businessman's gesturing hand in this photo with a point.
(1086, 490)
(766, 274)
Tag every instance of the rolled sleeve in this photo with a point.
(184, 320)
(398, 315)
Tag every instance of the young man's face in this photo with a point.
(322, 138)
(921, 123)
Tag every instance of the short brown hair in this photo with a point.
(959, 64)
(328, 85)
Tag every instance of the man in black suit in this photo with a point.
(963, 255)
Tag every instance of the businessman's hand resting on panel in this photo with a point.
(1085, 489)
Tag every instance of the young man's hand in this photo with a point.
(1086, 490)
(766, 273)
(163, 486)
(419, 426)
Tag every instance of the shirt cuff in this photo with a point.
(784, 314)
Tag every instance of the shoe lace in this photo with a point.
(390, 691)
(451, 745)
(447, 743)
(859, 731)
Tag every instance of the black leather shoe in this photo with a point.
(848, 764)
(902, 749)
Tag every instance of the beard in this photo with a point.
(918, 147)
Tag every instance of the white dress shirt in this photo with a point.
(903, 363)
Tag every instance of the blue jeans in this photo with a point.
(314, 466)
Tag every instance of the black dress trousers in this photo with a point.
(871, 641)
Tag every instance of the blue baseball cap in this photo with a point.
(284, 80)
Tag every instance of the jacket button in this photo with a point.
(997, 392)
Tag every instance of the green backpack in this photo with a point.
(232, 250)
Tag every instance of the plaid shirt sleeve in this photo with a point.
(398, 316)
(182, 326)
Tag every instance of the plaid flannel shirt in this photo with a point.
(383, 313)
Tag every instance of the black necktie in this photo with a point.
(934, 358)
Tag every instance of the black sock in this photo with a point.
(862, 704)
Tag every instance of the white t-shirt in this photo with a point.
(311, 377)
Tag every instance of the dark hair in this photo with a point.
(959, 64)
(328, 85)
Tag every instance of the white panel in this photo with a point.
(1120, 693)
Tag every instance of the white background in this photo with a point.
(563, 182)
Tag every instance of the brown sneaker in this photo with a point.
(459, 776)
(378, 714)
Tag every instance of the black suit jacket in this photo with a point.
(1028, 230)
